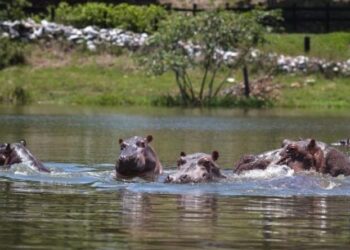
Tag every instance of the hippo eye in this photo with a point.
(204, 162)
(122, 146)
(140, 144)
(181, 162)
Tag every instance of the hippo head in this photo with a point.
(137, 158)
(302, 155)
(196, 168)
(6, 153)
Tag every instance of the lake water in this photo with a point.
(81, 206)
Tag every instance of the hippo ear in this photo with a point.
(8, 148)
(23, 142)
(183, 154)
(285, 142)
(149, 138)
(120, 141)
(215, 155)
(312, 143)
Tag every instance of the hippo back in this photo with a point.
(16, 153)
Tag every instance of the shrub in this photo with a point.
(82, 15)
(185, 43)
(13, 9)
(11, 53)
(130, 17)
(137, 18)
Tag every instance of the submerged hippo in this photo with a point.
(15, 153)
(299, 155)
(194, 168)
(137, 159)
(343, 142)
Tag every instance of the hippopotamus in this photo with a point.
(138, 159)
(195, 168)
(343, 142)
(299, 155)
(15, 153)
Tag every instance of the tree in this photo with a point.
(13, 9)
(186, 43)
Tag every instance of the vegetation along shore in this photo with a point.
(51, 69)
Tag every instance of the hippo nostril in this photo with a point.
(168, 179)
(184, 177)
(205, 175)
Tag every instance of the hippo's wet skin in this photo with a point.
(138, 159)
(299, 155)
(15, 153)
(194, 168)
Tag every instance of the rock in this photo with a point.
(30, 30)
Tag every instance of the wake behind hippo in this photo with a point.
(15, 153)
(137, 159)
(301, 155)
(195, 168)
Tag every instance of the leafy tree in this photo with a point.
(13, 9)
(11, 53)
(183, 43)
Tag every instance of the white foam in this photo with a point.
(272, 171)
(331, 185)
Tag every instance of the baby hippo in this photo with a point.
(137, 159)
(195, 168)
(15, 153)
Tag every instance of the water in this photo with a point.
(80, 204)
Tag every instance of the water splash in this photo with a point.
(274, 181)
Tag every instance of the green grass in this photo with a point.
(86, 84)
(61, 75)
(332, 46)
(321, 93)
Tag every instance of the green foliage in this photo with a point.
(13, 9)
(14, 94)
(209, 32)
(130, 17)
(11, 53)
(293, 44)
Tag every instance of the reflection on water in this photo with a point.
(89, 136)
(80, 204)
(152, 221)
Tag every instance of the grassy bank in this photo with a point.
(59, 74)
(332, 46)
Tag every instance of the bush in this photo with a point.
(137, 18)
(130, 17)
(13, 9)
(11, 53)
(183, 44)
(82, 15)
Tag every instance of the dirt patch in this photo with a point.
(57, 55)
(262, 89)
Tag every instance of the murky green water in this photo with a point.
(80, 205)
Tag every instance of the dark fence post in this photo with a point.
(194, 10)
(327, 17)
(227, 6)
(168, 6)
(307, 43)
(53, 14)
(246, 82)
(295, 18)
